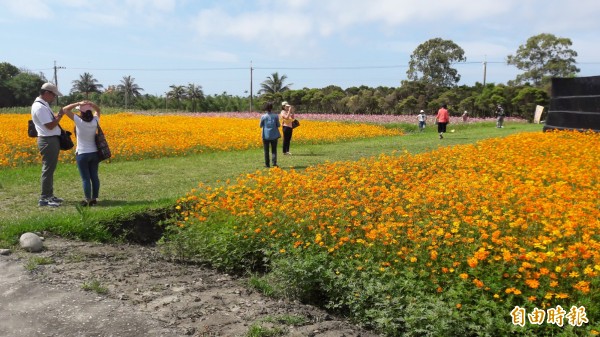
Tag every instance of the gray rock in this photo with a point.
(31, 242)
(5, 252)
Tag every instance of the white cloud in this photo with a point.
(36, 9)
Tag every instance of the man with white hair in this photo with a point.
(48, 130)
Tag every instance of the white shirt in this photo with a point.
(86, 135)
(41, 114)
(421, 117)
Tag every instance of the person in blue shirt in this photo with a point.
(269, 122)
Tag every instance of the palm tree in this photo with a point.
(194, 92)
(177, 92)
(86, 84)
(274, 84)
(129, 88)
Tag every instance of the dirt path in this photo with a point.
(146, 296)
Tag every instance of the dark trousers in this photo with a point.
(287, 138)
(442, 127)
(273, 144)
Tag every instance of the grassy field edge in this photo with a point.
(129, 189)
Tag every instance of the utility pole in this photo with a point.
(251, 69)
(56, 78)
(484, 68)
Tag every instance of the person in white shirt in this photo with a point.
(86, 153)
(422, 118)
(48, 130)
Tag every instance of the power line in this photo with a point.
(332, 68)
(159, 69)
(261, 68)
(281, 68)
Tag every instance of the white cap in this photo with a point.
(422, 111)
(52, 88)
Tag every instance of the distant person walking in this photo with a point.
(422, 119)
(287, 117)
(500, 116)
(48, 130)
(465, 116)
(86, 154)
(269, 122)
(442, 118)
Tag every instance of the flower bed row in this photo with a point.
(137, 137)
(473, 228)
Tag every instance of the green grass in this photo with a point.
(129, 188)
(95, 286)
(35, 261)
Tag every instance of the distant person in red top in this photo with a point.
(443, 118)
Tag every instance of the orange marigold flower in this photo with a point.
(433, 255)
(533, 284)
(582, 286)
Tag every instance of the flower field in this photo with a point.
(451, 239)
(361, 118)
(137, 137)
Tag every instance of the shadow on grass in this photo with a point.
(298, 167)
(108, 203)
(307, 155)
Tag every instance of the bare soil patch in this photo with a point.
(183, 300)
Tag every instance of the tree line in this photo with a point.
(431, 81)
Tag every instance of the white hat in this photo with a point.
(284, 103)
(51, 87)
(422, 111)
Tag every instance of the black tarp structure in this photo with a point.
(575, 104)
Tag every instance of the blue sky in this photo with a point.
(314, 43)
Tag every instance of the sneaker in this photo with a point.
(289, 153)
(441, 136)
(56, 199)
(48, 202)
(93, 202)
(85, 203)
